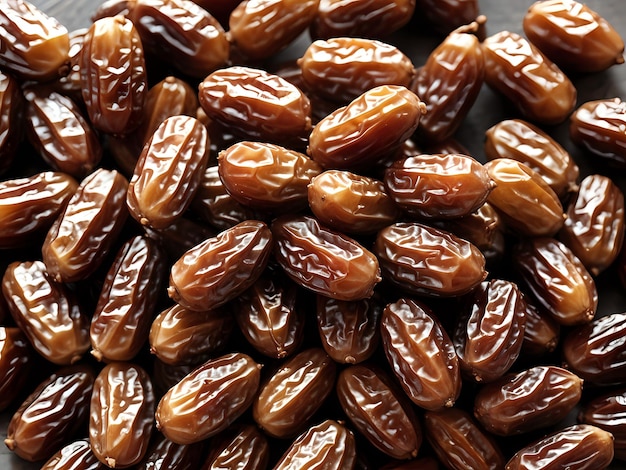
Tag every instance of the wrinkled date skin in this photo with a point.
(11, 112)
(323, 260)
(428, 261)
(76, 455)
(581, 446)
(46, 311)
(372, 126)
(608, 412)
(449, 83)
(370, 18)
(179, 336)
(541, 331)
(598, 126)
(294, 392)
(113, 75)
(164, 453)
(60, 133)
(349, 330)
(57, 409)
(261, 28)
(459, 442)
(521, 402)
(531, 81)
(244, 447)
(256, 104)
(222, 267)
(269, 316)
(122, 414)
(525, 201)
(29, 206)
(84, 232)
(342, 68)
(573, 36)
(208, 399)
(16, 359)
(438, 186)
(526, 143)
(557, 279)
(329, 445)
(421, 354)
(168, 172)
(379, 412)
(351, 203)
(34, 45)
(596, 351)
(123, 315)
(489, 335)
(594, 227)
(266, 176)
(182, 34)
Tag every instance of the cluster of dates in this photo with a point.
(226, 263)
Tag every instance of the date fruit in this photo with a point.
(16, 358)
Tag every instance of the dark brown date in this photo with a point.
(121, 322)
(164, 454)
(421, 354)
(168, 172)
(323, 260)
(11, 112)
(182, 235)
(594, 227)
(573, 36)
(84, 232)
(53, 413)
(438, 186)
(47, 312)
(608, 412)
(541, 332)
(222, 267)
(113, 75)
(446, 15)
(521, 402)
(372, 126)
(243, 447)
(379, 411)
(16, 358)
(428, 261)
(77, 455)
(557, 279)
(266, 176)
(122, 414)
(208, 399)
(29, 206)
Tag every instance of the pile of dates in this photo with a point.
(212, 258)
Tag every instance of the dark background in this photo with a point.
(488, 110)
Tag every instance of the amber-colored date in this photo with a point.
(222, 267)
(428, 261)
(323, 260)
(208, 399)
(76, 455)
(244, 447)
(421, 354)
(16, 359)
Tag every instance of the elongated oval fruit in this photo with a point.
(607, 411)
(75, 455)
(241, 446)
(16, 357)
(208, 399)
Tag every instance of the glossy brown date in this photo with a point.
(208, 399)
(294, 392)
(323, 260)
(371, 127)
(261, 28)
(164, 453)
(168, 172)
(541, 333)
(583, 447)
(594, 227)
(84, 232)
(222, 267)
(531, 81)
(391, 424)
(427, 261)
(121, 416)
(421, 354)
(342, 68)
(241, 446)
(35, 45)
(608, 412)
(11, 113)
(47, 312)
(350, 202)
(557, 280)
(573, 36)
(113, 75)
(438, 186)
(266, 176)
(76, 455)
(57, 409)
(521, 402)
(30, 205)
(16, 358)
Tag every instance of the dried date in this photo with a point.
(16, 358)
(11, 113)
(608, 411)
(244, 447)
(76, 455)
